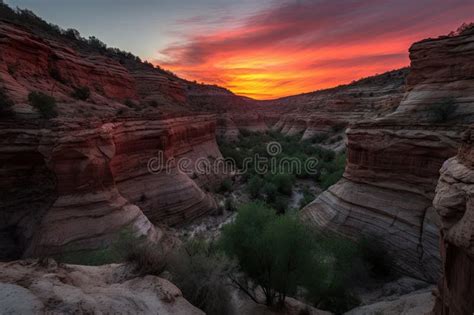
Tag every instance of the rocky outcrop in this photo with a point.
(77, 182)
(453, 203)
(31, 287)
(393, 162)
(32, 63)
(415, 303)
(90, 181)
(331, 110)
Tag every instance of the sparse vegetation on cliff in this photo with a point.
(81, 93)
(45, 104)
(6, 105)
(200, 271)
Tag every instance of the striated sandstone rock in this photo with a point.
(32, 63)
(453, 202)
(393, 162)
(91, 181)
(29, 287)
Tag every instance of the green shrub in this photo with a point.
(6, 105)
(254, 185)
(307, 198)
(148, 258)
(129, 103)
(379, 261)
(225, 186)
(283, 182)
(229, 205)
(55, 74)
(319, 138)
(443, 111)
(81, 93)
(270, 191)
(45, 104)
(280, 204)
(201, 274)
(333, 171)
(265, 245)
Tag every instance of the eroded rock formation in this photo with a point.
(454, 204)
(393, 162)
(32, 287)
(91, 180)
(78, 181)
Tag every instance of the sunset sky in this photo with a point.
(265, 50)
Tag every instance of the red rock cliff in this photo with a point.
(393, 162)
(454, 204)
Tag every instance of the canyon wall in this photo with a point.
(454, 205)
(81, 180)
(331, 110)
(393, 162)
(325, 112)
(68, 190)
(90, 181)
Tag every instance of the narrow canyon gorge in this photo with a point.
(74, 184)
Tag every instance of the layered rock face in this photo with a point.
(31, 287)
(307, 115)
(454, 204)
(92, 180)
(79, 181)
(327, 111)
(32, 63)
(393, 162)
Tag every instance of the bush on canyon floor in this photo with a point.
(264, 245)
(444, 111)
(283, 257)
(82, 93)
(319, 138)
(229, 204)
(276, 186)
(308, 196)
(225, 186)
(45, 104)
(148, 258)
(378, 261)
(6, 105)
(331, 172)
(200, 272)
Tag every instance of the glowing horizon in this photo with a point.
(262, 49)
(302, 46)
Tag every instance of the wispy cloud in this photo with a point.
(299, 46)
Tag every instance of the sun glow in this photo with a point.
(309, 45)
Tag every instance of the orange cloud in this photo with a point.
(302, 46)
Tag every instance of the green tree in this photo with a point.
(254, 185)
(81, 93)
(201, 273)
(45, 104)
(274, 252)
